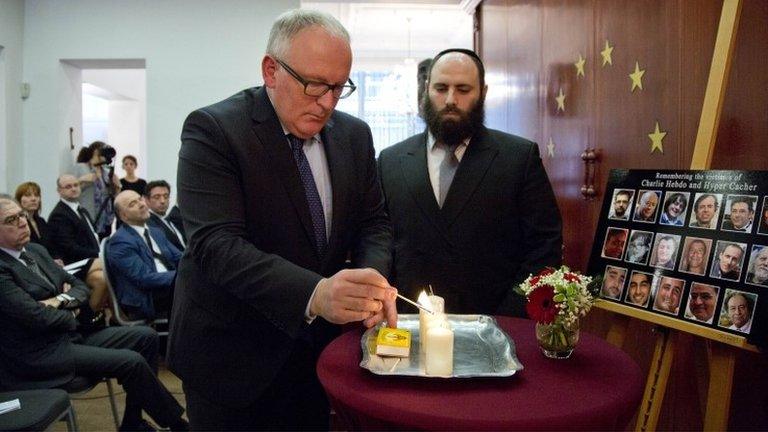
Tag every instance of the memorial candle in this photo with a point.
(437, 305)
(439, 351)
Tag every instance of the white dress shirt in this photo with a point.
(171, 226)
(158, 264)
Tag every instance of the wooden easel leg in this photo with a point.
(656, 384)
(722, 362)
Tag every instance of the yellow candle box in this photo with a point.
(393, 342)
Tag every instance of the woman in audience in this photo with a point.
(99, 185)
(131, 181)
(29, 197)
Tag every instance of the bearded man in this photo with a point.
(472, 208)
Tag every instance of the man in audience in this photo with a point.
(742, 214)
(41, 346)
(728, 262)
(158, 199)
(472, 208)
(74, 239)
(758, 266)
(739, 307)
(705, 211)
(272, 217)
(141, 260)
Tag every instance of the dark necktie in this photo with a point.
(32, 265)
(447, 171)
(87, 221)
(310, 190)
(156, 255)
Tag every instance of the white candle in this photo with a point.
(426, 319)
(439, 351)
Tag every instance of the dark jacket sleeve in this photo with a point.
(63, 235)
(211, 194)
(78, 289)
(20, 307)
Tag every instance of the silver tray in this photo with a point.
(480, 349)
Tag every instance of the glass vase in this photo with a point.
(556, 340)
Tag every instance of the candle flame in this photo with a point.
(425, 301)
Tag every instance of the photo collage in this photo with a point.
(694, 255)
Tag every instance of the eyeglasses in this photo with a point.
(14, 219)
(317, 88)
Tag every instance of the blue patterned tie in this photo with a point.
(310, 190)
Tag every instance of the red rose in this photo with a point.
(541, 306)
(570, 277)
(535, 280)
(546, 271)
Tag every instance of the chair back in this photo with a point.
(119, 315)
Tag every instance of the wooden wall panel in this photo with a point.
(673, 41)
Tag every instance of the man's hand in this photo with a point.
(66, 287)
(355, 295)
(52, 302)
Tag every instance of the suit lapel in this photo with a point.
(339, 157)
(28, 275)
(478, 157)
(413, 165)
(167, 231)
(270, 133)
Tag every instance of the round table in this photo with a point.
(598, 388)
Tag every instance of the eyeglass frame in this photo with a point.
(15, 218)
(328, 87)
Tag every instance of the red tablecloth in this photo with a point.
(599, 387)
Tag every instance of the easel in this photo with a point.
(721, 346)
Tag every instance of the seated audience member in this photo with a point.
(739, 307)
(758, 266)
(74, 238)
(702, 302)
(646, 206)
(131, 181)
(158, 198)
(141, 260)
(742, 213)
(668, 295)
(694, 258)
(41, 346)
(28, 195)
(674, 209)
(728, 262)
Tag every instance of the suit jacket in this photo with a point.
(71, 237)
(156, 222)
(133, 271)
(44, 238)
(35, 340)
(498, 224)
(174, 215)
(251, 266)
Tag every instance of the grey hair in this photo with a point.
(290, 23)
(6, 201)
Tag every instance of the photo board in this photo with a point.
(688, 250)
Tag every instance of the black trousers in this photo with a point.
(130, 355)
(294, 401)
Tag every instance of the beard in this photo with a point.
(449, 131)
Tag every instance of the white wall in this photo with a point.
(197, 52)
(11, 149)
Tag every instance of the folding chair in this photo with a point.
(39, 410)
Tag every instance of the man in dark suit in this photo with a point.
(142, 262)
(74, 238)
(158, 197)
(472, 208)
(41, 347)
(278, 191)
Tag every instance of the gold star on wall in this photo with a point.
(656, 137)
(560, 100)
(551, 148)
(580, 66)
(637, 77)
(606, 53)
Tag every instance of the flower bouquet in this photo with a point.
(557, 299)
